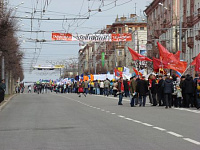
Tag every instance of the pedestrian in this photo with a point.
(160, 93)
(86, 87)
(154, 90)
(120, 90)
(29, 89)
(196, 79)
(2, 90)
(126, 88)
(188, 84)
(133, 94)
(183, 91)
(178, 94)
(91, 87)
(198, 93)
(115, 88)
(80, 86)
(101, 84)
(168, 90)
(106, 87)
(142, 89)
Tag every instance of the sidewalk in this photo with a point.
(6, 101)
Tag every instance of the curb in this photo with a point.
(5, 102)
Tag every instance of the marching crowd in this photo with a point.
(164, 90)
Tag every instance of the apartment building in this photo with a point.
(116, 53)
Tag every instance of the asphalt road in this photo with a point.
(66, 122)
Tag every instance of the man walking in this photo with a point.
(120, 90)
(168, 90)
(160, 91)
(106, 87)
(133, 85)
(142, 89)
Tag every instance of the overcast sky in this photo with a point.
(54, 51)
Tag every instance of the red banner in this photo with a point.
(122, 37)
(61, 37)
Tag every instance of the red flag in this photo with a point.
(118, 73)
(196, 62)
(178, 66)
(197, 67)
(177, 55)
(137, 72)
(136, 56)
(165, 54)
(157, 63)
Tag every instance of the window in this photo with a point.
(119, 52)
(119, 30)
(141, 28)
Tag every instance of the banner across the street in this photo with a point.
(91, 37)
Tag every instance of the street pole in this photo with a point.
(95, 67)
(3, 68)
(138, 50)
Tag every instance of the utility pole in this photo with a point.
(3, 68)
(138, 49)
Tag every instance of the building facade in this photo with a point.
(175, 24)
(116, 53)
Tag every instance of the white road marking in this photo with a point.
(137, 121)
(192, 141)
(108, 111)
(129, 119)
(158, 128)
(146, 124)
(121, 116)
(175, 134)
(149, 125)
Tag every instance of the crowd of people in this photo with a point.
(161, 90)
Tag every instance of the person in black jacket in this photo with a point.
(126, 88)
(142, 89)
(160, 93)
(154, 90)
(188, 84)
(168, 89)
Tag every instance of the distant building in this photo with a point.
(116, 53)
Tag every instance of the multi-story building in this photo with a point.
(190, 29)
(162, 25)
(119, 50)
(116, 53)
(138, 43)
(175, 24)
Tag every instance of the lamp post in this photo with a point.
(2, 66)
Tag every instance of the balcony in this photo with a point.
(190, 21)
(183, 47)
(184, 26)
(198, 12)
(163, 43)
(197, 37)
(156, 34)
(190, 42)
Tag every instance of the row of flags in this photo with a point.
(167, 60)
